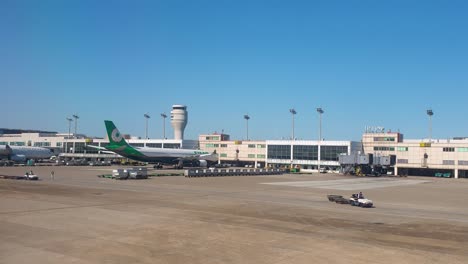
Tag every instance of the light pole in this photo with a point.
(66, 147)
(69, 126)
(319, 156)
(76, 123)
(430, 113)
(293, 113)
(146, 123)
(247, 117)
(163, 115)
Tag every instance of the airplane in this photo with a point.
(117, 144)
(23, 153)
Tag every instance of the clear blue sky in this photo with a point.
(377, 63)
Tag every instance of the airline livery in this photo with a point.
(118, 145)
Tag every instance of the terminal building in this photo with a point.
(306, 155)
(426, 157)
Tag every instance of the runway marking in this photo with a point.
(350, 184)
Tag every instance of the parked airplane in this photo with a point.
(117, 144)
(23, 153)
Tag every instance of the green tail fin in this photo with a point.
(115, 138)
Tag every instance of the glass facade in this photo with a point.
(332, 152)
(17, 143)
(80, 147)
(449, 149)
(402, 148)
(172, 145)
(279, 152)
(138, 145)
(384, 139)
(92, 150)
(41, 144)
(251, 155)
(305, 152)
(154, 145)
(251, 145)
(384, 148)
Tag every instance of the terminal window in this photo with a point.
(449, 149)
(305, 152)
(384, 139)
(331, 152)
(17, 143)
(279, 151)
(384, 148)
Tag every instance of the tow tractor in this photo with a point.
(357, 200)
(354, 200)
(31, 176)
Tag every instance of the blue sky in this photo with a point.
(366, 63)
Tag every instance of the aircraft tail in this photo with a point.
(115, 138)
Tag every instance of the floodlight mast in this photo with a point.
(164, 116)
(247, 117)
(430, 113)
(76, 124)
(69, 126)
(147, 116)
(319, 156)
(293, 113)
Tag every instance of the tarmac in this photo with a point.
(80, 218)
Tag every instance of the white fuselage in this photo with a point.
(27, 152)
(177, 153)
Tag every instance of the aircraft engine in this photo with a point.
(5, 151)
(18, 158)
(203, 163)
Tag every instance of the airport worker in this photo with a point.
(361, 196)
(52, 175)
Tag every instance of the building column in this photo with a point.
(395, 170)
(456, 174)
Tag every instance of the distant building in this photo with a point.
(421, 157)
(302, 154)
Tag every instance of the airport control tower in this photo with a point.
(179, 117)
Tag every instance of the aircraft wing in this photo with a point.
(102, 149)
(96, 147)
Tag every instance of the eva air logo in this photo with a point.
(116, 136)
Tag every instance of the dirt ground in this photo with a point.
(80, 218)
